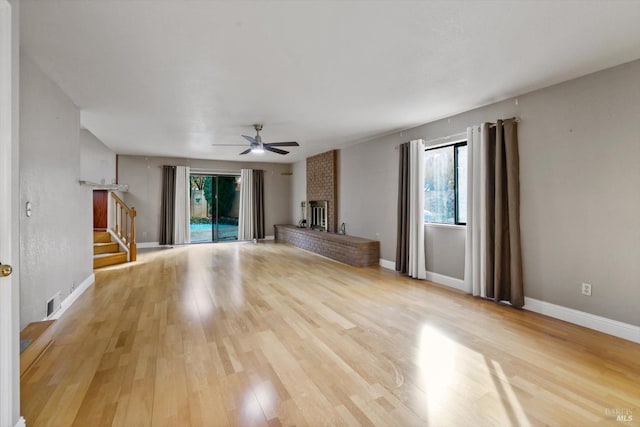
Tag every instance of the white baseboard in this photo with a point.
(588, 320)
(73, 296)
(143, 245)
(389, 265)
(21, 422)
(452, 282)
(269, 238)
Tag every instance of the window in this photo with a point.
(445, 184)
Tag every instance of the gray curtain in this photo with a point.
(402, 243)
(503, 252)
(167, 205)
(258, 204)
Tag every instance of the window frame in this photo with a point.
(454, 145)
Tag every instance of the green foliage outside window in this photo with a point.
(226, 186)
(439, 186)
(445, 184)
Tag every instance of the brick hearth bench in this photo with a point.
(351, 250)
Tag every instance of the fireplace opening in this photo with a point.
(318, 215)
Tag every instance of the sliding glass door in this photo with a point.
(215, 205)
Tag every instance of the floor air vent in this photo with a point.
(53, 304)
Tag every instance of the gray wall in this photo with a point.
(444, 249)
(144, 177)
(580, 188)
(367, 193)
(97, 161)
(298, 189)
(56, 241)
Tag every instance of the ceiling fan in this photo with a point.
(257, 146)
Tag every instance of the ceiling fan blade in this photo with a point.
(274, 150)
(229, 145)
(247, 151)
(250, 139)
(283, 144)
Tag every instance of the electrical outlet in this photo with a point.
(586, 289)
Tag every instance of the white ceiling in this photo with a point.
(173, 77)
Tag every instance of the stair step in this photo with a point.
(101, 237)
(103, 260)
(40, 334)
(103, 248)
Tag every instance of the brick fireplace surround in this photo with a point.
(322, 185)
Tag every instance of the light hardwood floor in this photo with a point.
(267, 334)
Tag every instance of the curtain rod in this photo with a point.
(448, 137)
(515, 119)
(214, 171)
(205, 171)
(455, 136)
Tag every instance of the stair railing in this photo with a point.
(124, 225)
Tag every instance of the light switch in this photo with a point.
(28, 206)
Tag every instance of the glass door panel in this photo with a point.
(227, 208)
(215, 201)
(201, 208)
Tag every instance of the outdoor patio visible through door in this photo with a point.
(215, 204)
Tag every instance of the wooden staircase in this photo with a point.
(106, 251)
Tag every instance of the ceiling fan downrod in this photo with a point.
(258, 138)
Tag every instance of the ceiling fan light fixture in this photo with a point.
(256, 145)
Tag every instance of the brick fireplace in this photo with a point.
(322, 184)
(322, 216)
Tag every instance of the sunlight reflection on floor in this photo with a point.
(443, 362)
(513, 407)
(436, 361)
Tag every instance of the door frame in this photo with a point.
(215, 238)
(9, 233)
